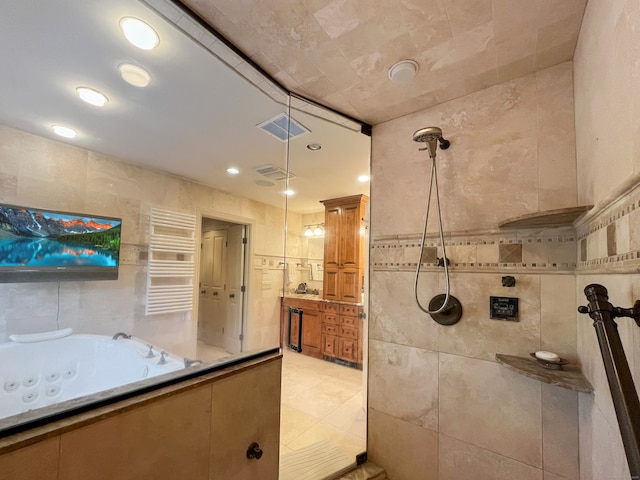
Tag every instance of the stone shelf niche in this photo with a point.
(562, 217)
(569, 378)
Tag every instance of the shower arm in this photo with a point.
(621, 385)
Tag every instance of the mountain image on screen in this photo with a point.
(41, 238)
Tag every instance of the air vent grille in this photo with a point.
(273, 172)
(279, 125)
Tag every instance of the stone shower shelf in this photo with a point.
(561, 217)
(570, 378)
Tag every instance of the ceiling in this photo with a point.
(338, 52)
(197, 117)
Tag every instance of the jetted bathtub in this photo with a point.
(43, 369)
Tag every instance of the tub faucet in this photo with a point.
(163, 358)
(188, 362)
(121, 334)
(150, 353)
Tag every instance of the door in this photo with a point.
(213, 301)
(235, 295)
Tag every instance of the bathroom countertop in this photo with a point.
(317, 298)
(570, 378)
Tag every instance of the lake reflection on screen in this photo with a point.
(46, 252)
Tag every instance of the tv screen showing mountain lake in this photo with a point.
(41, 238)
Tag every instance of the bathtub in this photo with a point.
(41, 370)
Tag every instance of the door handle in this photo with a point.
(233, 295)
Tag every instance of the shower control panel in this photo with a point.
(503, 308)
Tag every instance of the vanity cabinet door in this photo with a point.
(330, 345)
(312, 333)
(348, 349)
(344, 248)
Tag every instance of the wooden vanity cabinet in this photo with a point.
(307, 315)
(330, 330)
(342, 333)
(344, 248)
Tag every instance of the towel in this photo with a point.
(313, 272)
(291, 272)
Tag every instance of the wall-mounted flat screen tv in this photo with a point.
(44, 245)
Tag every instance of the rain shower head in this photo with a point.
(431, 136)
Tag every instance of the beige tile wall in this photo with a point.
(607, 93)
(42, 173)
(440, 406)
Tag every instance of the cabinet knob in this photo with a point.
(254, 451)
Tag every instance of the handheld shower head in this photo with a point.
(431, 136)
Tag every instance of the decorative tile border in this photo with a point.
(491, 251)
(609, 240)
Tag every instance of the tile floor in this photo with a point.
(321, 401)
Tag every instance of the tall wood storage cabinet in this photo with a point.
(344, 248)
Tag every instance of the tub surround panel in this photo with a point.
(406, 450)
(149, 442)
(246, 409)
(458, 460)
(35, 462)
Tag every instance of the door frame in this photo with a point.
(249, 223)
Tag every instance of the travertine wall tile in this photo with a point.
(407, 451)
(558, 330)
(478, 336)
(396, 368)
(560, 451)
(462, 460)
(490, 407)
(394, 316)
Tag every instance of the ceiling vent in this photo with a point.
(279, 125)
(273, 172)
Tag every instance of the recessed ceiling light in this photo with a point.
(233, 171)
(363, 178)
(65, 132)
(265, 183)
(92, 96)
(134, 75)
(403, 72)
(139, 33)
(289, 192)
(314, 147)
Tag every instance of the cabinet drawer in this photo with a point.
(349, 310)
(329, 329)
(348, 350)
(349, 332)
(330, 307)
(348, 321)
(329, 317)
(330, 345)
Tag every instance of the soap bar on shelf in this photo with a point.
(547, 356)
